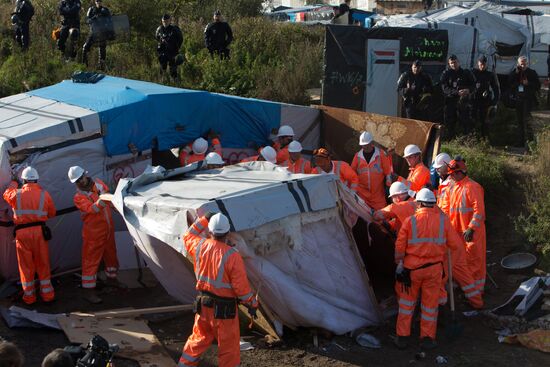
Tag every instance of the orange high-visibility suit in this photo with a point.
(419, 176)
(396, 213)
(31, 204)
(344, 172)
(373, 177)
(219, 270)
(187, 156)
(98, 234)
(300, 166)
(283, 156)
(421, 244)
(461, 271)
(466, 206)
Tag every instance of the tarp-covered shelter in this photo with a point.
(293, 232)
(112, 128)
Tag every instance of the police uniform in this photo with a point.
(70, 11)
(217, 37)
(169, 40)
(486, 94)
(101, 30)
(457, 109)
(412, 86)
(21, 17)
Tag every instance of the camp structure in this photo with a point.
(114, 128)
(293, 232)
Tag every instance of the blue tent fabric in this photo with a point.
(137, 112)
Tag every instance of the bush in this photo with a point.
(268, 60)
(535, 225)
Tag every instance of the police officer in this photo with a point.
(70, 25)
(524, 84)
(457, 84)
(20, 18)
(169, 39)
(217, 36)
(486, 94)
(101, 30)
(413, 86)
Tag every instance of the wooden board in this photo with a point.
(134, 337)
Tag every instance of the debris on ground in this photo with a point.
(441, 360)
(368, 340)
(535, 339)
(246, 346)
(21, 317)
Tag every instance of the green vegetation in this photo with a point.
(535, 226)
(268, 60)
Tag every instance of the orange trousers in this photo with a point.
(33, 257)
(94, 249)
(462, 274)
(205, 330)
(476, 256)
(426, 281)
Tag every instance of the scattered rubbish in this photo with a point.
(527, 294)
(441, 360)
(470, 313)
(21, 317)
(367, 340)
(245, 346)
(504, 332)
(420, 356)
(535, 339)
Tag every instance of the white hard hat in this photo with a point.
(442, 159)
(75, 172)
(29, 174)
(411, 149)
(214, 158)
(285, 130)
(365, 138)
(269, 154)
(200, 146)
(398, 188)
(294, 147)
(218, 224)
(425, 196)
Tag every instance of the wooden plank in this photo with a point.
(134, 337)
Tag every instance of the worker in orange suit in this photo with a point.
(441, 167)
(32, 206)
(222, 284)
(373, 167)
(197, 151)
(285, 135)
(403, 206)
(267, 154)
(324, 165)
(419, 252)
(419, 174)
(297, 163)
(98, 232)
(466, 205)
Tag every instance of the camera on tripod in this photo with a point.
(98, 353)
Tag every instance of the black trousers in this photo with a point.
(222, 53)
(22, 36)
(458, 116)
(64, 35)
(166, 60)
(523, 114)
(480, 109)
(90, 41)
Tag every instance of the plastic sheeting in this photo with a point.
(289, 230)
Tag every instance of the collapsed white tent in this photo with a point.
(291, 231)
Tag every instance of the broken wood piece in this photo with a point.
(143, 311)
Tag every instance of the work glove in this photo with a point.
(468, 235)
(209, 215)
(252, 311)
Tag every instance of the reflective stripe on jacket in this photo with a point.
(30, 203)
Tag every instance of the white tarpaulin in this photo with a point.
(289, 229)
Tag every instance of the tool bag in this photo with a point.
(224, 308)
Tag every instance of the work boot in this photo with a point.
(428, 343)
(401, 342)
(114, 283)
(91, 296)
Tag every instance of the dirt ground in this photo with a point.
(476, 347)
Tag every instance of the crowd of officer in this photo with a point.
(470, 96)
(217, 34)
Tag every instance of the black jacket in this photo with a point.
(487, 86)
(24, 10)
(218, 35)
(100, 22)
(530, 90)
(70, 11)
(418, 84)
(452, 81)
(169, 38)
